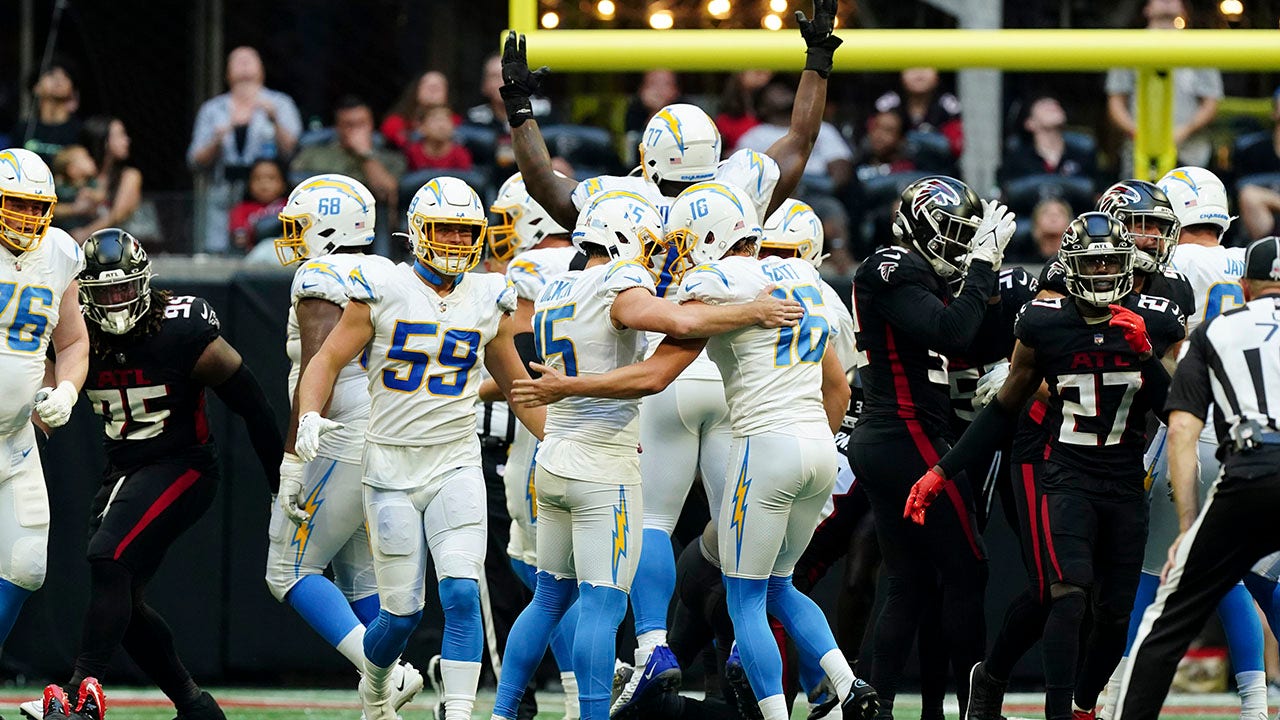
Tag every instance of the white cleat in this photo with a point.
(406, 682)
(32, 709)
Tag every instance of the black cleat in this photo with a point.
(986, 695)
(204, 708)
(862, 703)
(743, 696)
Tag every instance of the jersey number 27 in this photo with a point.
(1099, 395)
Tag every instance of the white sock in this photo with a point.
(352, 646)
(460, 680)
(377, 679)
(1112, 692)
(774, 707)
(838, 671)
(1252, 686)
(645, 643)
(570, 683)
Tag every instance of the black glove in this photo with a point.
(817, 35)
(518, 83)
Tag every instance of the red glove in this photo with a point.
(1134, 327)
(925, 491)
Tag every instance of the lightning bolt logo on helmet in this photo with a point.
(932, 189)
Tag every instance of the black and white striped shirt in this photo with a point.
(1233, 363)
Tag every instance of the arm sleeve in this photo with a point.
(992, 429)
(1189, 390)
(242, 393)
(948, 329)
(1156, 379)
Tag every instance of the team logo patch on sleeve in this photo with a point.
(886, 269)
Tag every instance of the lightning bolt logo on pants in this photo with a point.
(531, 494)
(743, 485)
(620, 530)
(302, 535)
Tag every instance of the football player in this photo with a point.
(1100, 351)
(600, 313)
(687, 427)
(426, 328)
(153, 355)
(40, 305)
(328, 226)
(786, 395)
(1199, 201)
(534, 250)
(906, 315)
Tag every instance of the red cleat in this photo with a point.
(56, 704)
(91, 702)
(1083, 714)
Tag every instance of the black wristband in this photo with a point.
(819, 60)
(519, 107)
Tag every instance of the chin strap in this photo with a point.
(430, 275)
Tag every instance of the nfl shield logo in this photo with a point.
(1097, 339)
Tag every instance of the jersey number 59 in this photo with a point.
(458, 352)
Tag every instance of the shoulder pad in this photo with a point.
(319, 279)
(894, 266)
(704, 283)
(192, 310)
(624, 275)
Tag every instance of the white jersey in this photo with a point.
(31, 288)
(1214, 273)
(576, 335)
(324, 278)
(424, 361)
(843, 342)
(533, 269)
(772, 378)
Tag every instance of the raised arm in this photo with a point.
(651, 376)
(792, 150)
(640, 309)
(553, 192)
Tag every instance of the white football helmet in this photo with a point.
(27, 198)
(524, 222)
(793, 230)
(754, 172)
(1198, 197)
(446, 201)
(682, 144)
(625, 224)
(708, 219)
(322, 214)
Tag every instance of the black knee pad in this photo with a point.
(1069, 599)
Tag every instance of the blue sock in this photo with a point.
(803, 619)
(387, 635)
(655, 582)
(526, 572)
(366, 609)
(323, 606)
(527, 643)
(1267, 594)
(463, 626)
(562, 636)
(1147, 586)
(11, 599)
(756, 644)
(594, 647)
(1243, 630)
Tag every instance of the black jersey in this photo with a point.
(994, 343)
(1097, 396)
(906, 320)
(152, 410)
(1169, 284)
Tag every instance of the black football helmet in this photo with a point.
(1148, 215)
(1097, 256)
(939, 216)
(115, 285)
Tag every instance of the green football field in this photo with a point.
(249, 704)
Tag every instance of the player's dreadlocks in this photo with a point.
(102, 344)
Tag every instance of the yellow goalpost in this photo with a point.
(1153, 54)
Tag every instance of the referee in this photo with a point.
(1233, 363)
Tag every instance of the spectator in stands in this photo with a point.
(1048, 221)
(830, 165)
(658, 88)
(924, 108)
(264, 197)
(493, 114)
(737, 105)
(79, 197)
(56, 124)
(437, 149)
(352, 152)
(428, 90)
(233, 130)
(1196, 92)
(1042, 148)
(884, 150)
(121, 183)
(1260, 204)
